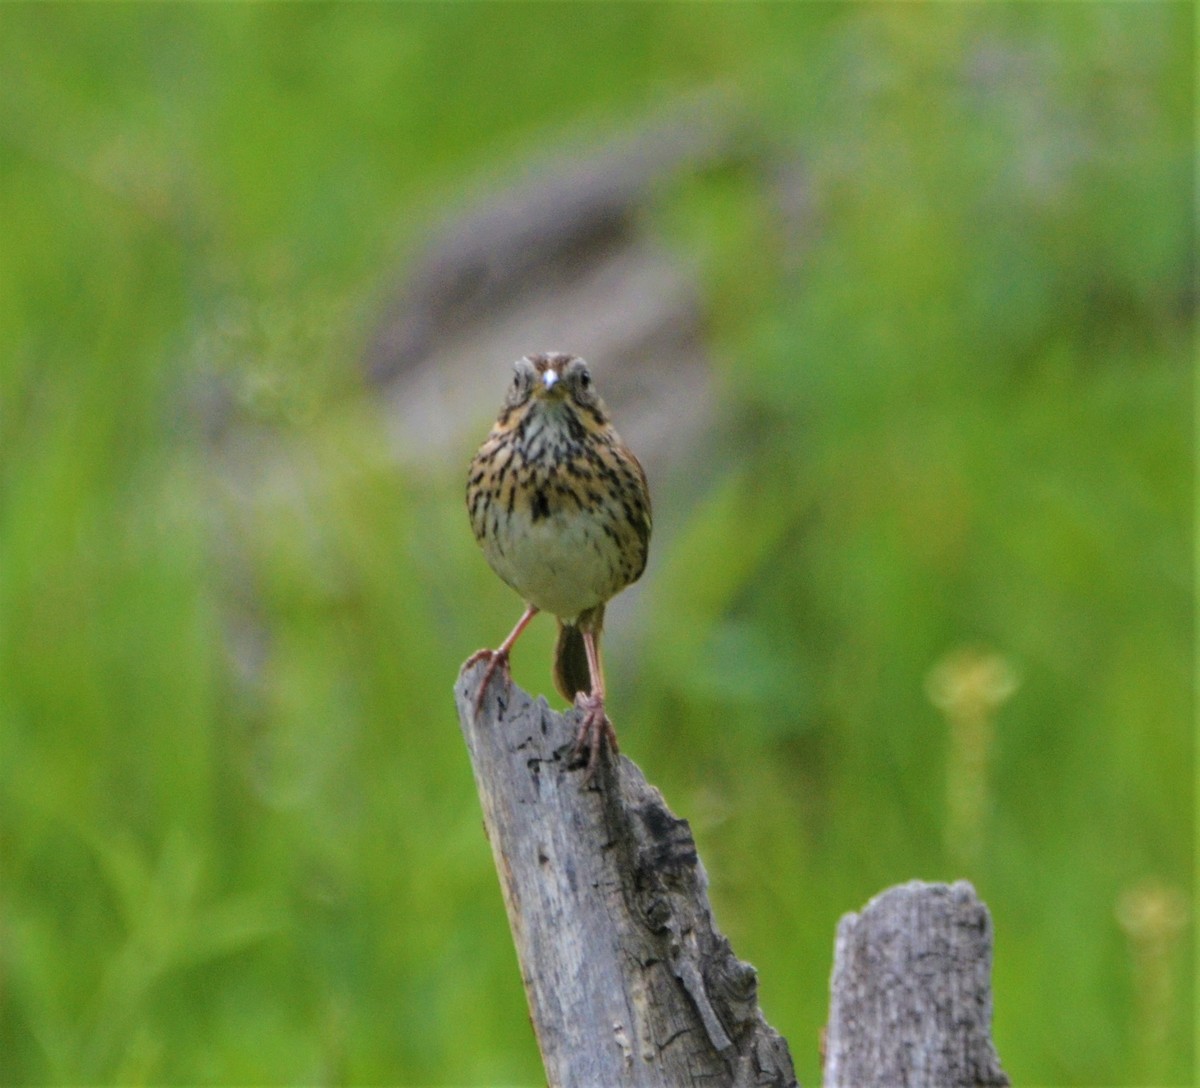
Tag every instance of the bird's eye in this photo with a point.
(520, 387)
(585, 379)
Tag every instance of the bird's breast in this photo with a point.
(562, 561)
(560, 514)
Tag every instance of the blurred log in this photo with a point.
(911, 992)
(575, 204)
(628, 979)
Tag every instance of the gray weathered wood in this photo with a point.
(628, 979)
(911, 992)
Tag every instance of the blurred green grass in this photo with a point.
(964, 419)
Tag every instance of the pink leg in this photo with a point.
(498, 659)
(594, 727)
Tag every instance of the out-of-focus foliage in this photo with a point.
(931, 617)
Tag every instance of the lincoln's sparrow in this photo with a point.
(561, 509)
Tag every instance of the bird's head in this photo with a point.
(555, 378)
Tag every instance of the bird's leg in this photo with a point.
(498, 659)
(594, 727)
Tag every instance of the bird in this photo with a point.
(561, 508)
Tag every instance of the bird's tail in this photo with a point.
(571, 672)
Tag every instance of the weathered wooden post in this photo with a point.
(628, 979)
(911, 997)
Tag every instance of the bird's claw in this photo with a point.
(595, 730)
(496, 659)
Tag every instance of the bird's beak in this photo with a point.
(549, 379)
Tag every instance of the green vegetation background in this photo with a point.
(964, 420)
